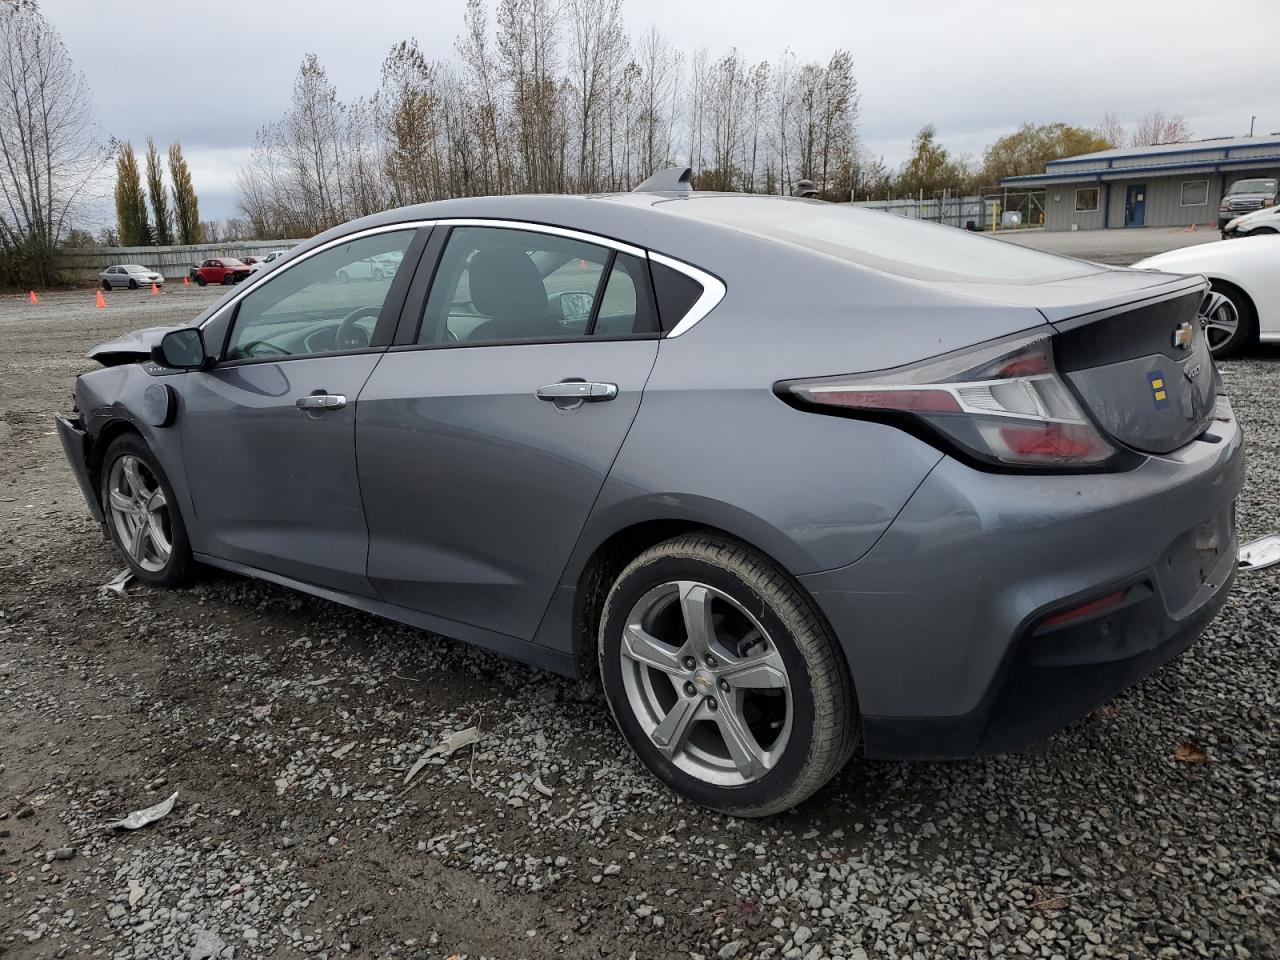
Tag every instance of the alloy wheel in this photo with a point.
(1221, 323)
(706, 683)
(140, 513)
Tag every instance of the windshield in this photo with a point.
(882, 241)
(232, 262)
(1253, 186)
(132, 267)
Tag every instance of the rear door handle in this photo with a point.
(322, 401)
(578, 390)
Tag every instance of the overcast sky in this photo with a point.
(211, 74)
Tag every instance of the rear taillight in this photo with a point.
(1001, 403)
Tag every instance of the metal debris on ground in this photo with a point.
(1259, 554)
(140, 818)
(117, 585)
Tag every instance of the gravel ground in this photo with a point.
(287, 726)
(1116, 246)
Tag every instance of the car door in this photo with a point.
(268, 432)
(486, 433)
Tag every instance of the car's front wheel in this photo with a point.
(142, 515)
(723, 678)
(106, 285)
(200, 281)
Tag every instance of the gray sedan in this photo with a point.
(131, 275)
(791, 479)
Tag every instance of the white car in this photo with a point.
(1247, 274)
(261, 263)
(1253, 224)
(375, 268)
(131, 275)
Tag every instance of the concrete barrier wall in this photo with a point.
(85, 263)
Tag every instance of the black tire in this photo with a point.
(1261, 230)
(824, 724)
(180, 563)
(343, 277)
(200, 281)
(133, 284)
(228, 279)
(1247, 331)
(106, 285)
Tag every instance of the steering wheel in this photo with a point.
(349, 335)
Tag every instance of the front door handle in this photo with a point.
(322, 401)
(578, 390)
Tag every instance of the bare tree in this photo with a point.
(1112, 130)
(596, 43)
(657, 103)
(1158, 127)
(50, 151)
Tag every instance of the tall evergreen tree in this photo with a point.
(159, 199)
(186, 206)
(131, 203)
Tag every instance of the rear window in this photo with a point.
(882, 241)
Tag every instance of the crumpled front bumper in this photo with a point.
(77, 445)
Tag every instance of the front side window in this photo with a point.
(498, 285)
(325, 303)
(1086, 200)
(1195, 193)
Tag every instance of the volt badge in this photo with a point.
(1159, 393)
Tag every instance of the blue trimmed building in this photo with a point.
(1169, 185)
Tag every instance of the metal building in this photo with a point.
(1169, 185)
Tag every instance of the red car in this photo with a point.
(224, 270)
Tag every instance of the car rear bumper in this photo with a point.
(76, 444)
(941, 622)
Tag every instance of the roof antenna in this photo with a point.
(670, 180)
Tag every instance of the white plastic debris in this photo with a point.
(445, 748)
(117, 584)
(140, 818)
(1260, 553)
(208, 946)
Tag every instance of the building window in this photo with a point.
(1195, 193)
(1087, 200)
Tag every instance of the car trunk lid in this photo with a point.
(1114, 342)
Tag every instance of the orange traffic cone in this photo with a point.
(102, 304)
(154, 289)
(34, 298)
(186, 281)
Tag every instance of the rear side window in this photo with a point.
(676, 293)
(497, 284)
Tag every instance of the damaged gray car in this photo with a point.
(791, 478)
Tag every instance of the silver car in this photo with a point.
(791, 479)
(131, 275)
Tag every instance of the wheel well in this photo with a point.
(613, 555)
(1217, 283)
(98, 452)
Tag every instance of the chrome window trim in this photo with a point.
(713, 291)
(565, 232)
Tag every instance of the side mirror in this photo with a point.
(180, 350)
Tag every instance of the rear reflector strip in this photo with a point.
(1084, 611)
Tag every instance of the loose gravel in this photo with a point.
(287, 725)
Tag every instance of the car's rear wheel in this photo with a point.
(723, 678)
(228, 279)
(1231, 328)
(143, 518)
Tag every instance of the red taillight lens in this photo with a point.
(1003, 402)
(1084, 611)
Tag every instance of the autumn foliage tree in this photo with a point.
(159, 199)
(186, 205)
(1030, 147)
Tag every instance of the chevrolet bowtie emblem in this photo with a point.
(1183, 334)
